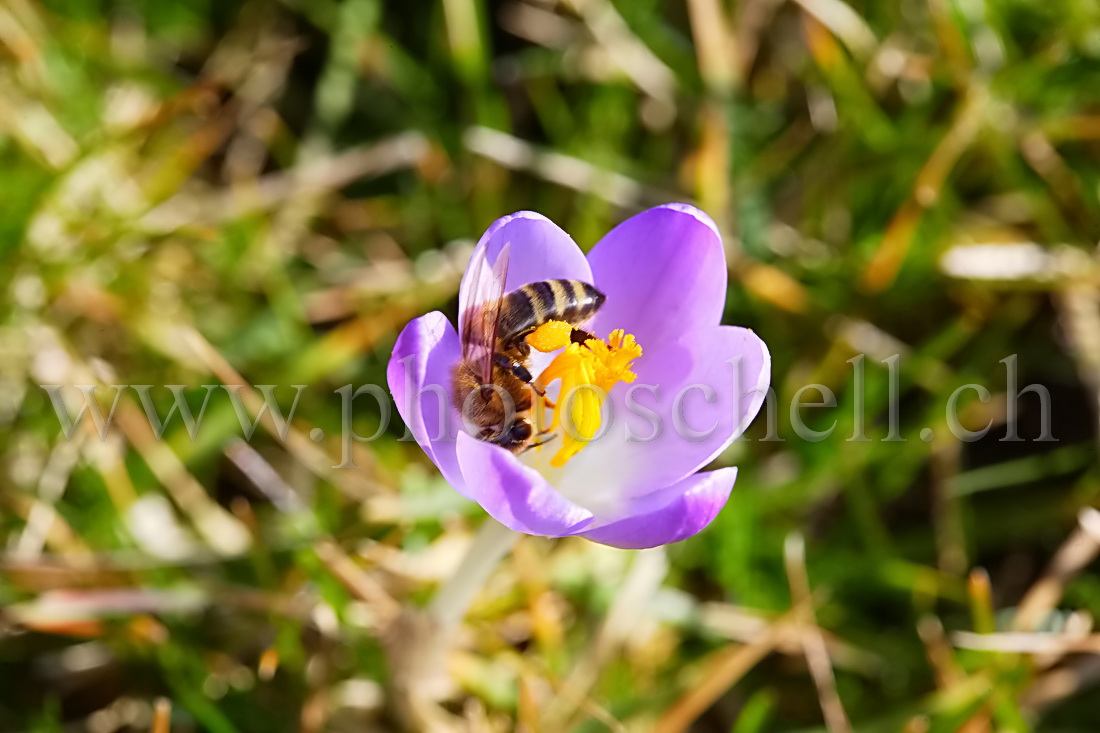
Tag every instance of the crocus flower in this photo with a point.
(684, 390)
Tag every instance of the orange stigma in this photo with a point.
(587, 372)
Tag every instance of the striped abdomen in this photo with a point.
(528, 307)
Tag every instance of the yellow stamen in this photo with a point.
(550, 336)
(587, 372)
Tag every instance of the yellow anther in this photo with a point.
(587, 372)
(550, 336)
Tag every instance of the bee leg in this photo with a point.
(536, 443)
(519, 371)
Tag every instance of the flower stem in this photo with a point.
(454, 598)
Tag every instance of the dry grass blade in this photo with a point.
(564, 170)
(742, 625)
(264, 477)
(845, 23)
(813, 643)
(1079, 307)
(59, 536)
(310, 177)
(51, 486)
(538, 25)
(715, 45)
(940, 656)
(1026, 642)
(884, 265)
(359, 582)
(1063, 182)
(162, 716)
(254, 198)
(297, 444)
(951, 41)
(35, 128)
(224, 534)
(721, 671)
(774, 286)
(1061, 682)
(627, 610)
(1080, 549)
(630, 54)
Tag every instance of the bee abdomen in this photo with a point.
(583, 304)
(534, 304)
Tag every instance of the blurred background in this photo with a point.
(266, 191)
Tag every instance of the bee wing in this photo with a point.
(480, 310)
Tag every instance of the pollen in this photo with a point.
(587, 372)
(550, 336)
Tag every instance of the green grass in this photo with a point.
(156, 228)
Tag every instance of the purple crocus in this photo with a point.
(698, 384)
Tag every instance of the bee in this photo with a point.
(492, 385)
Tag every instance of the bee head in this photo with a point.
(514, 435)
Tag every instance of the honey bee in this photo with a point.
(492, 385)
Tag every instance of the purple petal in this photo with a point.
(516, 495)
(668, 515)
(419, 376)
(663, 272)
(540, 251)
(682, 431)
